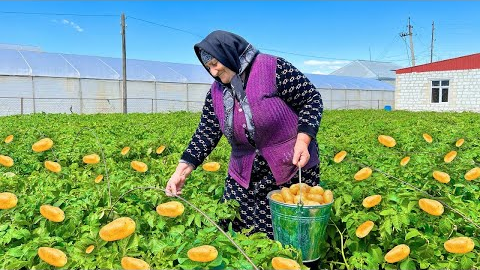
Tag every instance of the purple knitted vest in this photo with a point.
(275, 126)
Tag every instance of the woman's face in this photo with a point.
(218, 70)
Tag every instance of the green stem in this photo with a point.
(341, 242)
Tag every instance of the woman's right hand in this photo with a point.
(177, 180)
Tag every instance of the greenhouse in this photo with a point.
(33, 81)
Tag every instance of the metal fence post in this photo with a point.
(21, 105)
(188, 108)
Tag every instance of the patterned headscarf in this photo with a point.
(205, 57)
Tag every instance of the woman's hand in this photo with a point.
(177, 180)
(300, 151)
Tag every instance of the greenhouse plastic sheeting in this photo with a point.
(345, 82)
(30, 63)
(49, 65)
(12, 63)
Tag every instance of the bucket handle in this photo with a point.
(300, 203)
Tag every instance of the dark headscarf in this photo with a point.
(237, 54)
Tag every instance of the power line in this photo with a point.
(306, 55)
(265, 49)
(166, 26)
(58, 14)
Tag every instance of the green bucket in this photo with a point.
(302, 226)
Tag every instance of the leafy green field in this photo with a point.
(163, 242)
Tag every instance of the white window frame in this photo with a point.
(440, 88)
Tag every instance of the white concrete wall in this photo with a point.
(414, 90)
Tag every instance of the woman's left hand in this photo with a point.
(300, 151)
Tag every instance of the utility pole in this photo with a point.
(411, 40)
(431, 47)
(124, 64)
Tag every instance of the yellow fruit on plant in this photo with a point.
(430, 206)
(139, 166)
(125, 150)
(287, 195)
(441, 177)
(53, 166)
(387, 140)
(277, 197)
(472, 174)
(8, 200)
(328, 196)
(397, 254)
(459, 245)
(363, 174)
(89, 249)
(450, 156)
(317, 190)
(160, 149)
(9, 139)
(98, 179)
(459, 142)
(404, 161)
(279, 263)
(129, 263)
(52, 213)
(52, 256)
(170, 209)
(118, 229)
(371, 201)
(42, 145)
(211, 166)
(91, 159)
(364, 229)
(340, 156)
(427, 137)
(205, 253)
(6, 161)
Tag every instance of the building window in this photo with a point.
(440, 91)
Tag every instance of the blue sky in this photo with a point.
(319, 36)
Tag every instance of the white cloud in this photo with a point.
(70, 23)
(323, 66)
(325, 63)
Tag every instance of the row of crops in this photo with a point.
(393, 207)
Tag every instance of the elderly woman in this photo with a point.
(270, 114)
